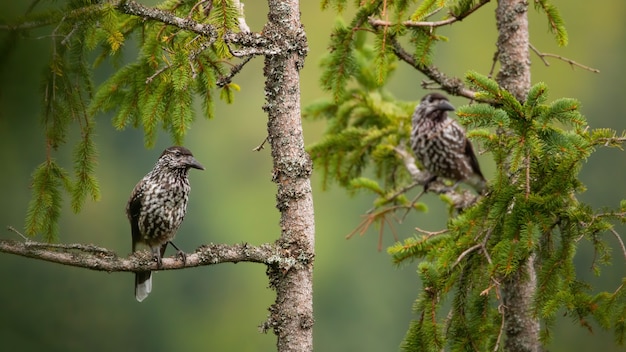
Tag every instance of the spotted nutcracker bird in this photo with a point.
(157, 206)
(440, 144)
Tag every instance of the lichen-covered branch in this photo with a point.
(102, 259)
(136, 9)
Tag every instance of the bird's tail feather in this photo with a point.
(143, 285)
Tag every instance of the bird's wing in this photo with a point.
(469, 151)
(133, 209)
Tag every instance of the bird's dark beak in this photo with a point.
(192, 162)
(445, 105)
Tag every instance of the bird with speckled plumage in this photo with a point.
(157, 207)
(440, 143)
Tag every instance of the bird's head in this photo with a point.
(179, 158)
(434, 106)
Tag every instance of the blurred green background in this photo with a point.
(362, 302)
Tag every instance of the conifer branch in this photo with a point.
(378, 22)
(572, 63)
(451, 85)
(136, 9)
(92, 257)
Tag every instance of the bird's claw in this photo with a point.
(182, 256)
(158, 260)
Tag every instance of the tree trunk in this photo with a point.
(521, 326)
(292, 314)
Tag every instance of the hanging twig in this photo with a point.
(224, 80)
(619, 239)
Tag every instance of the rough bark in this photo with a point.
(521, 326)
(292, 314)
(513, 47)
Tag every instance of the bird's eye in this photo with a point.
(177, 153)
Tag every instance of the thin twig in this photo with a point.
(484, 246)
(501, 309)
(224, 80)
(260, 146)
(430, 234)
(412, 204)
(158, 72)
(494, 61)
(466, 252)
(543, 56)
(13, 229)
(619, 239)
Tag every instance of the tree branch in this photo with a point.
(136, 9)
(101, 259)
(226, 79)
(573, 63)
(254, 43)
(377, 22)
(451, 85)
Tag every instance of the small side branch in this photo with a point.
(224, 80)
(572, 63)
(619, 239)
(102, 259)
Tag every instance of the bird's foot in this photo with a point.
(430, 180)
(156, 256)
(158, 260)
(180, 254)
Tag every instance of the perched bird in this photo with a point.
(440, 144)
(157, 206)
